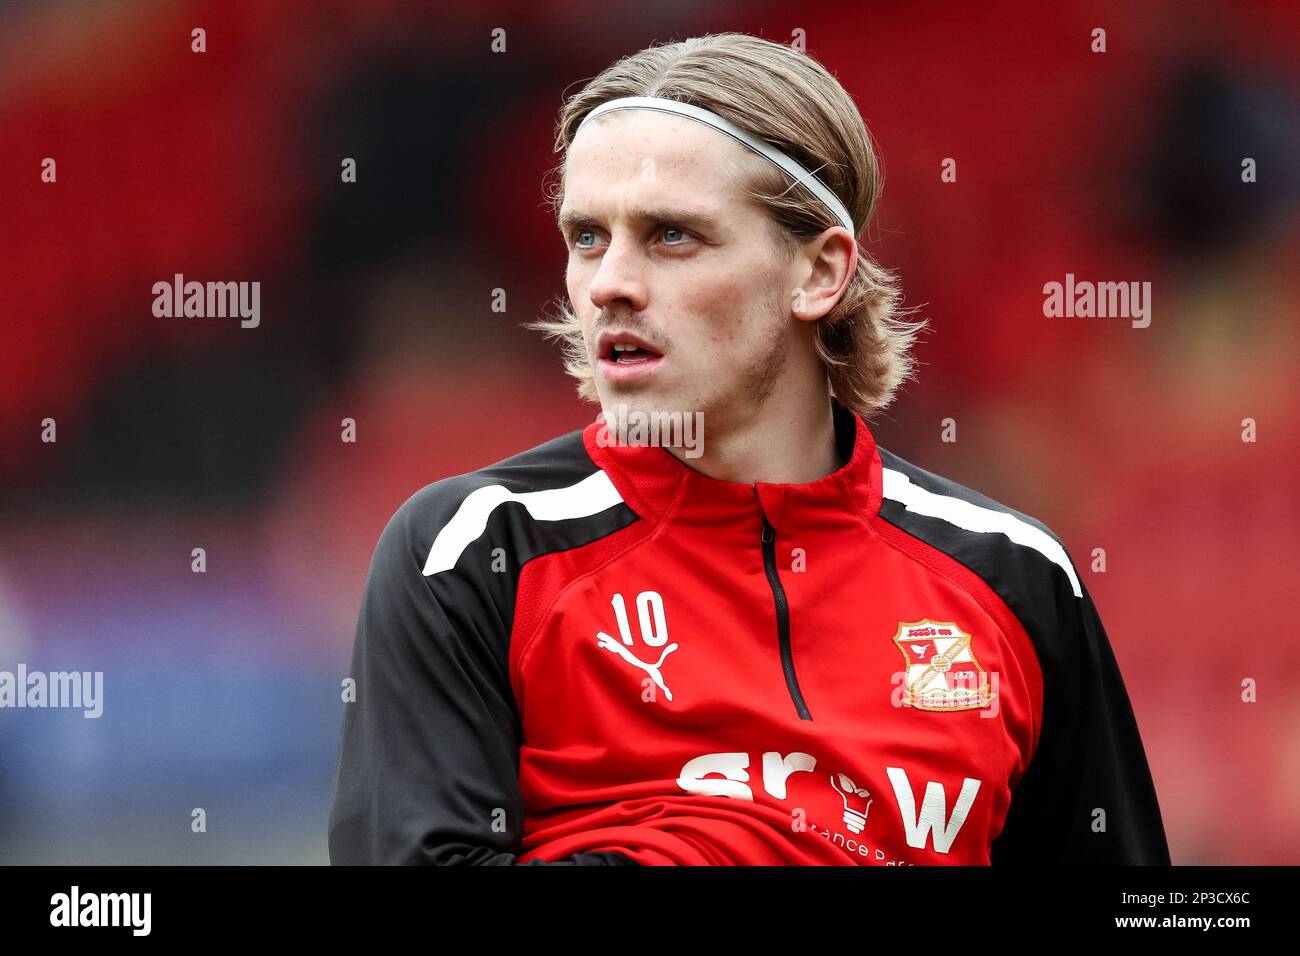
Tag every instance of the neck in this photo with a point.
(782, 442)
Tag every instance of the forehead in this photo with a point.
(642, 155)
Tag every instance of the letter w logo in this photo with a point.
(933, 815)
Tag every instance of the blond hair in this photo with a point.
(788, 99)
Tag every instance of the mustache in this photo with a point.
(628, 323)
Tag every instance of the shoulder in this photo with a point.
(1018, 555)
(545, 498)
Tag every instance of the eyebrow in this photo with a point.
(575, 218)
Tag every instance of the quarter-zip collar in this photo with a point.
(655, 483)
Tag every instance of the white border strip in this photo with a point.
(590, 496)
(898, 487)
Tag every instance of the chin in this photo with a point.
(615, 403)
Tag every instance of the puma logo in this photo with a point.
(613, 644)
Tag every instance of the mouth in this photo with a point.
(622, 348)
(625, 357)
(630, 355)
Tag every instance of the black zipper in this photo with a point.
(782, 615)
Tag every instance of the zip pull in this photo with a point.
(782, 614)
(768, 533)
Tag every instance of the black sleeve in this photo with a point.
(1090, 758)
(428, 765)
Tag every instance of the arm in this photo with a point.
(428, 765)
(1090, 757)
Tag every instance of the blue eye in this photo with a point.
(588, 238)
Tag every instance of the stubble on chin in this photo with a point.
(754, 381)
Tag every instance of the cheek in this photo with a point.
(571, 285)
(576, 288)
(732, 309)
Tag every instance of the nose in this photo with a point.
(619, 280)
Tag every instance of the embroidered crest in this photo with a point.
(941, 671)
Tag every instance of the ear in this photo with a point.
(824, 266)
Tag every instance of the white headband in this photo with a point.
(766, 150)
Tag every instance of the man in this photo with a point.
(780, 645)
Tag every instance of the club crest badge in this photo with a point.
(939, 667)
